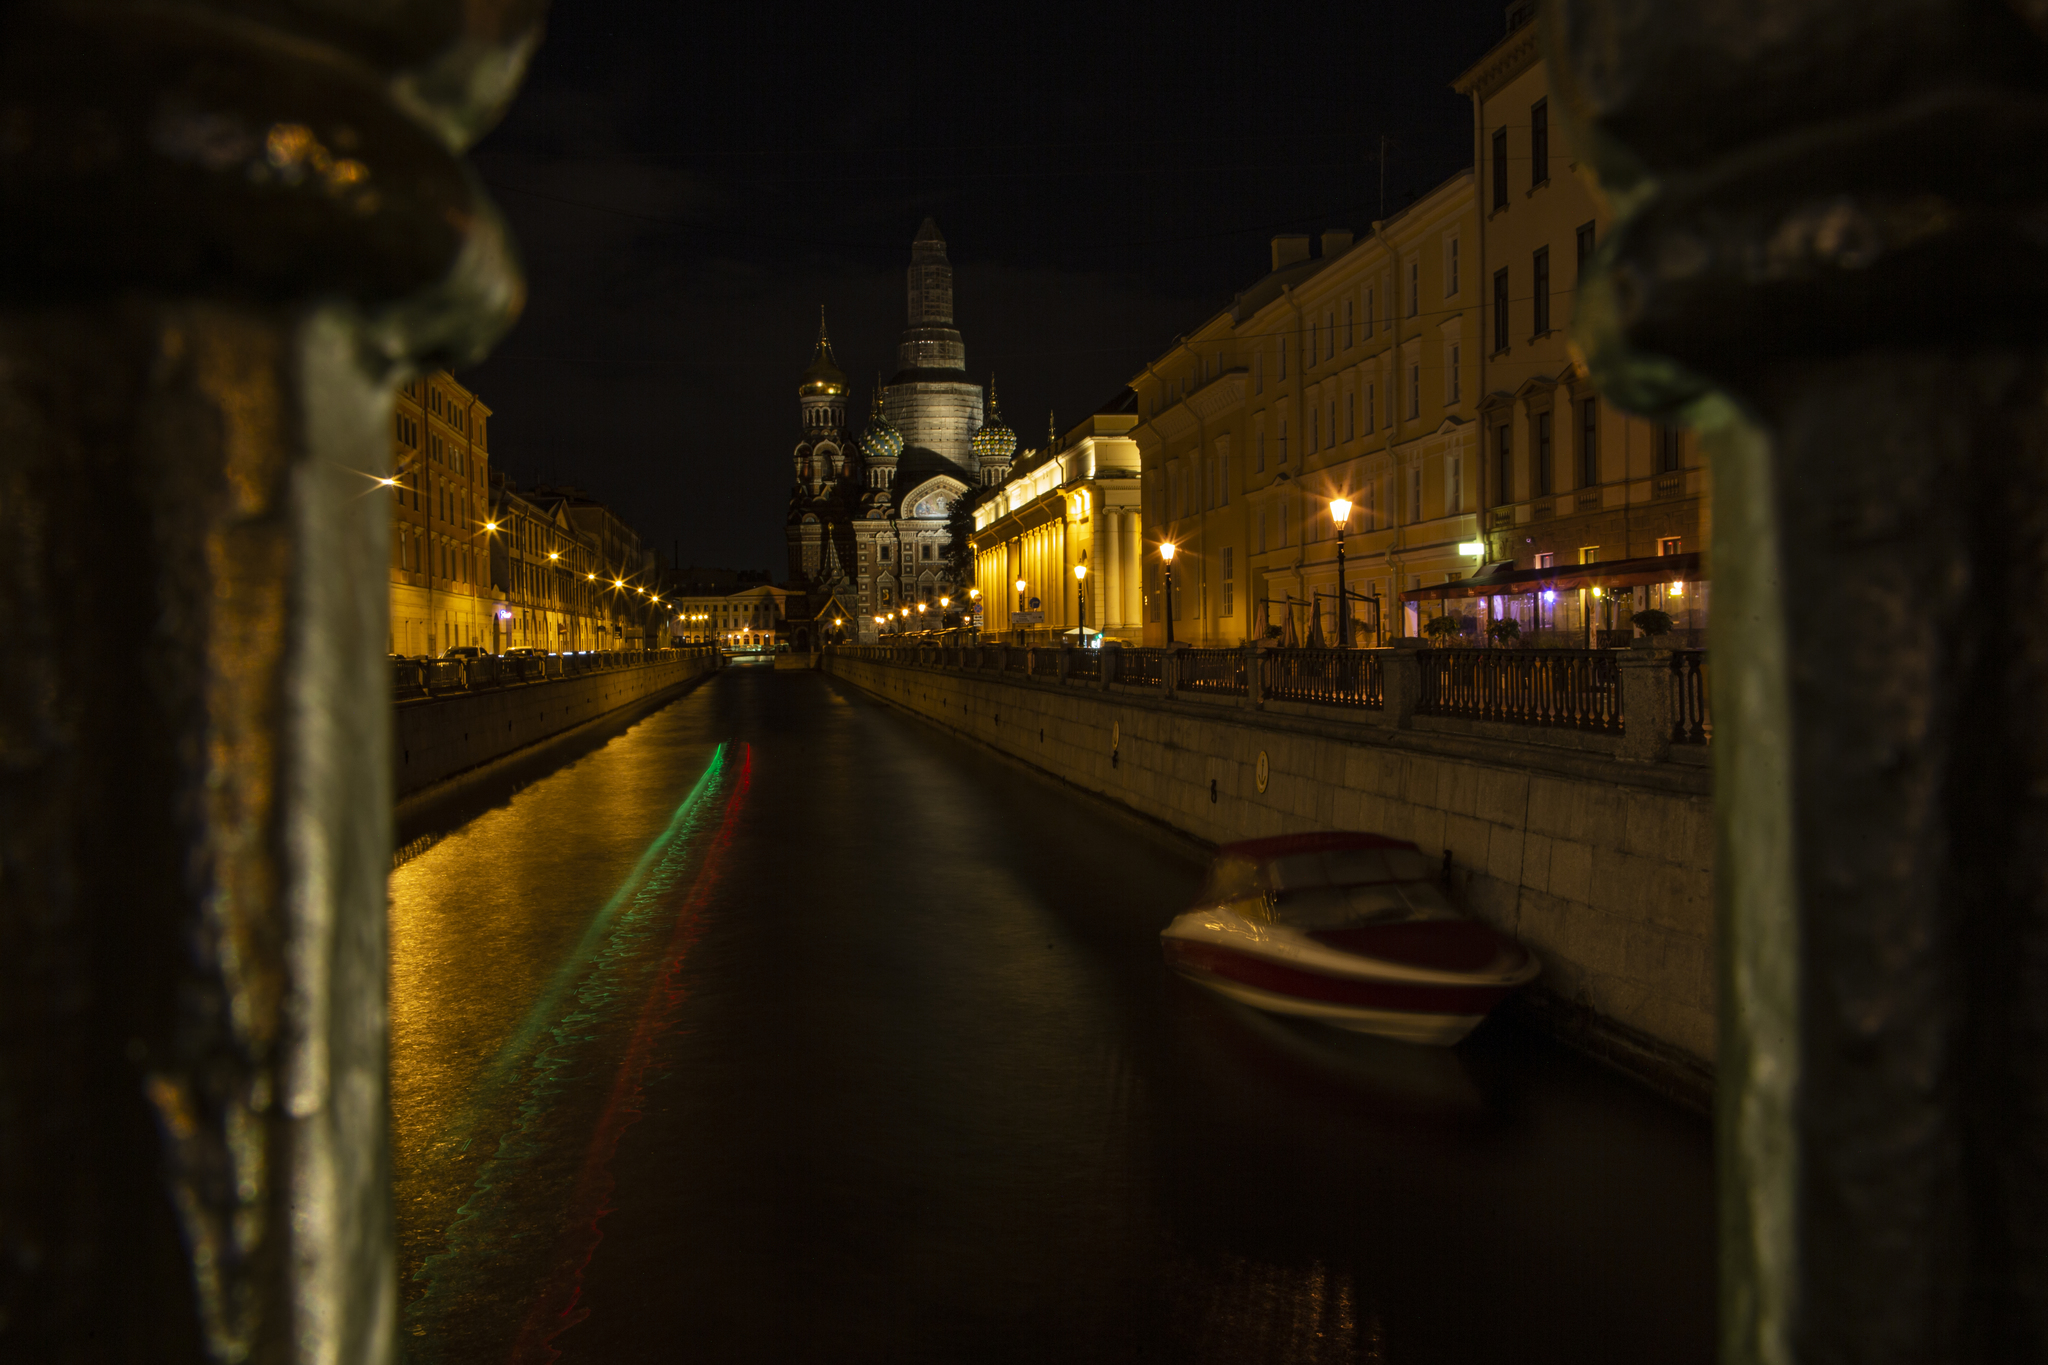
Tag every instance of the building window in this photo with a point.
(1546, 560)
(1372, 402)
(1283, 440)
(1589, 442)
(1541, 286)
(1414, 391)
(1314, 425)
(1456, 380)
(1454, 484)
(1350, 415)
(1329, 335)
(882, 553)
(1368, 312)
(1500, 168)
(1414, 289)
(1350, 326)
(1500, 310)
(1585, 243)
(1589, 554)
(1259, 451)
(1451, 270)
(1308, 358)
(1223, 476)
(1542, 454)
(1669, 545)
(1539, 143)
(1670, 455)
(1415, 493)
(926, 552)
(1262, 530)
(1283, 359)
(1229, 583)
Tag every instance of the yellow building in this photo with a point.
(1566, 479)
(1074, 503)
(1346, 376)
(440, 553)
(544, 574)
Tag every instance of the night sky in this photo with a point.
(689, 183)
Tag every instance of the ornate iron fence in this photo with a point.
(1575, 689)
(1692, 718)
(1139, 667)
(1016, 659)
(1084, 663)
(1324, 677)
(1210, 670)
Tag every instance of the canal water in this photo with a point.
(784, 1028)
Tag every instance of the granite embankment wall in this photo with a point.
(1603, 866)
(440, 737)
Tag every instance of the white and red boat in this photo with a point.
(1350, 929)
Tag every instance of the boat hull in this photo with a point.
(1438, 1013)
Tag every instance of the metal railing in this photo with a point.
(1692, 716)
(1016, 659)
(1210, 670)
(1575, 689)
(1085, 663)
(1140, 667)
(1323, 677)
(439, 677)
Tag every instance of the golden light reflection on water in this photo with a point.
(495, 932)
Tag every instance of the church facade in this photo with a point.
(868, 526)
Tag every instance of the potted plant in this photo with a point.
(1504, 632)
(1440, 629)
(1656, 627)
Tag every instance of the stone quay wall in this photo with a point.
(1600, 863)
(440, 737)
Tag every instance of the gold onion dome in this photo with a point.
(824, 378)
(994, 441)
(881, 440)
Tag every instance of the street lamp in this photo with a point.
(1080, 612)
(1340, 512)
(1020, 594)
(1166, 549)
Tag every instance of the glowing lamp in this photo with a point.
(1472, 548)
(1166, 548)
(1340, 511)
(1678, 589)
(1080, 572)
(490, 526)
(1596, 592)
(1020, 585)
(1549, 596)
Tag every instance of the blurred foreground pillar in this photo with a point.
(226, 230)
(1831, 255)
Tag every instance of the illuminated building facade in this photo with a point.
(1349, 375)
(1072, 504)
(1566, 478)
(869, 524)
(440, 549)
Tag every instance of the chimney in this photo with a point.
(1288, 248)
(1336, 242)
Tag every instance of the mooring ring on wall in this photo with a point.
(1264, 770)
(1116, 735)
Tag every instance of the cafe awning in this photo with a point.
(1612, 573)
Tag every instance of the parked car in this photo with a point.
(462, 652)
(524, 652)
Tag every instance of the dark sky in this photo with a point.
(689, 183)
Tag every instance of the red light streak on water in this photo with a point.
(558, 1307)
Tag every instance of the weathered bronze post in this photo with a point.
(1830, 255)
(226, 229)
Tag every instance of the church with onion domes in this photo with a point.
(869, 515)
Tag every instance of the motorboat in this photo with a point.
(1347, 928)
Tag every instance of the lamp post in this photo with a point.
(1166, 549)
(1080, 611)
(1340, 512)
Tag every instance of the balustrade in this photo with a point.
(1219, 671)
(1692, 720)
(1577, 689)
(1324, 677)
(1085, 663)
(1140, 667)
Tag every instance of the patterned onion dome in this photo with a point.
(881, 441)
(823, 378)
(994, 442)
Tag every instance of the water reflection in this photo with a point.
(783, 1029)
